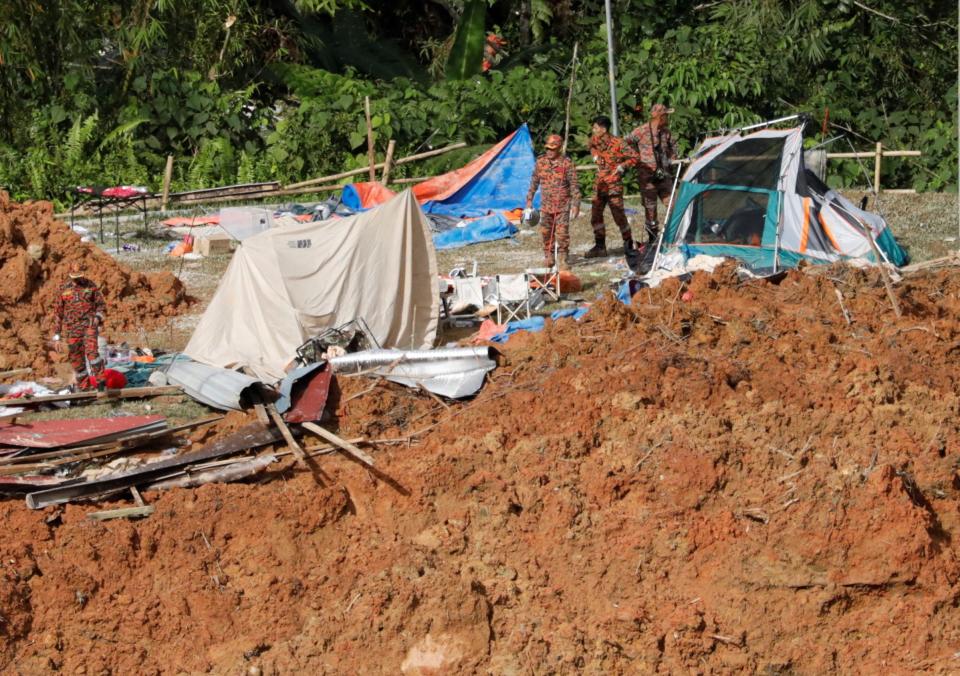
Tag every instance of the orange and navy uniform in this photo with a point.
(610, 153)
(655, 150)
(78, 311)
(559, 191)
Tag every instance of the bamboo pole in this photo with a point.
(371, 153)
(573, 77)
(876, 173)
(402, 160)
(167, 177)
(388, 162)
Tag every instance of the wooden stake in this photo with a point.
(167, 177)
(337, 441)
(287, 436)
(876, 173)
(371, 153)
(573, 76)
(388, 163)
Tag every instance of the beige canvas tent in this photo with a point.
(288, 284)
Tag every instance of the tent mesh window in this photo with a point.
(727, 217)
(752, 162)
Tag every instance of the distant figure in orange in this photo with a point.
(78, 313)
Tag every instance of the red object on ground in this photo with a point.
(57, 433)
(488, 330)
(310, 399)
(687, 296)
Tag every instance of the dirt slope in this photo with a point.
(35, 255)
(736, 482)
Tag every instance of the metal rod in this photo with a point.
(769, 122)
(666, 218)
(611, 71)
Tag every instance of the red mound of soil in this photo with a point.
(35, 254)
(740, 482)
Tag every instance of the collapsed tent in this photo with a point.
(287, 284)
(496, 181)
(467, 205)
(751, 197)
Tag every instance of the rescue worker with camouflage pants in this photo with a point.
(612, 157)
(78, 313)
(556, 177)
(654, 145)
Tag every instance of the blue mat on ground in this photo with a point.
(487, 229)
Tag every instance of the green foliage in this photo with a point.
(466, 55)
(241, 90)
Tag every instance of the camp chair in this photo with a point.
(548, 279)
(513, 296)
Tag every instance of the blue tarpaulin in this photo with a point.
(500, 185)
(494, 226)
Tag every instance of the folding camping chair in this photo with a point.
(513, 296)
(548, 279)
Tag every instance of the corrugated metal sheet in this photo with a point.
(217, 387)
(61, 433)
(450, 372)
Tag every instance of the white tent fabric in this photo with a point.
(288, 284)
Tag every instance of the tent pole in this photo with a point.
(573, 77)
(611, 71)
(666, 218)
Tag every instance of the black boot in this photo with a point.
(599, 249)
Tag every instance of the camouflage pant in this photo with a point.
(614, 198)
(653, 189)
(555, 227)
(82, 349)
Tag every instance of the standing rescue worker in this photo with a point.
(653, 143)
(78, 313)
(613, 157)
(556, 177)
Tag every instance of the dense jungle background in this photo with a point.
(246, 90)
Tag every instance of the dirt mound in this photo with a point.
(35, 254)
(742, 481)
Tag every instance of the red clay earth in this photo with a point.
(35, 254)
(740, 482)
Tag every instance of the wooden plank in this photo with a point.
(137, 498)
(127, 393)
(261, 413)
(16, 373)
(124, 513)
(167, 177)
(337, 441)
(287, 435)
(876, 173)
(388, 163)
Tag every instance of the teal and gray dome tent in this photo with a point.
(749, 196)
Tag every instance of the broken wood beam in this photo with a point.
(16, 373)
(126, 393)
(287, 434)
(343, 444)
(123, 513)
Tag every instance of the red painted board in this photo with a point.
(59, 433)
(310, 399)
